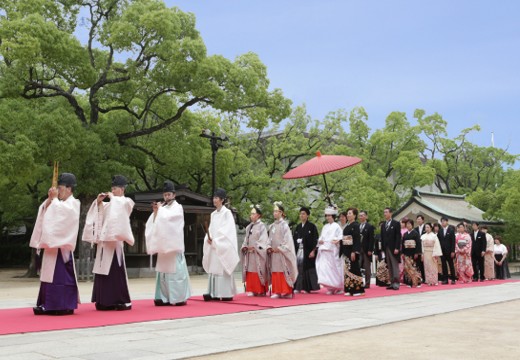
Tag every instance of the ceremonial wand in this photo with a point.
(55, 175)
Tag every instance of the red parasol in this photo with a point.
(320, 165)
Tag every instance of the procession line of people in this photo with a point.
(274, 259)
(464, 255)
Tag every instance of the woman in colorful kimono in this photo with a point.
(431, 251)
(280, 248)
(489, 256)
(254, 255)
(350, 250)
(412, 250)
(463, 253)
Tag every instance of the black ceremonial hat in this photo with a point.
(67, 179)
(168, 186)
(119, 180)
(220, 193)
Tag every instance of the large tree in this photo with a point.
(94, 83)
(138, 69)
(461, 167)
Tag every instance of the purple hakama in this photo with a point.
(62, 293)
(112, 289)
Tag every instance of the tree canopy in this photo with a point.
(125, 86)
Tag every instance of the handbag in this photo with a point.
(461, 243)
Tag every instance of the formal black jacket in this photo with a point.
(309, 234)
(414, 236)
(391, 237)
(448, 241)
(478, 245)
(423, 230)
(351, 229)
(367, 238)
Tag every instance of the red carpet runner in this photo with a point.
(22, 320)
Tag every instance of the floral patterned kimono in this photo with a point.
(431, 249)
(489, 258)
(463, 253)
(411, 249)
(351, 244)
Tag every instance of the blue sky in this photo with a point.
(458, 58)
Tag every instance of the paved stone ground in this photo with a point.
(485, 332)
(472, 323)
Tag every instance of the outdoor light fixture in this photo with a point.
(216, 143)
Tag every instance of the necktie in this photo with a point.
(387, 225)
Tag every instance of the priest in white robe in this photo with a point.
(108, 226)
(165, 237)
(220, 253)
(329, 264)
(56, 233)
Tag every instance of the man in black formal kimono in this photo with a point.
(367, 245)
(391, 241)
(446, 237)
(478, 250)
(306, 237)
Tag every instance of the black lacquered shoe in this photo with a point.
(123, 307)
(100, 307)
(182, 303)
(207, 297)
(39, 310)
(226, 299)
(61, 312)
(159, 302)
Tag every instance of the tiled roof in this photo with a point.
(451, 206)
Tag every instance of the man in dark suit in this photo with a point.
(420, 225)
(478, 250)
(446, 237)
(420, 230)
(391, 240)
(306, 235)
(367, 245)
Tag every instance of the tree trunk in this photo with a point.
(84, 251)
(32, 270)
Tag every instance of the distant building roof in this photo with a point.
(192, 202)
(436, 205)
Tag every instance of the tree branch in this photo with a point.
(34, 86)
(147, 152)
(164, 124)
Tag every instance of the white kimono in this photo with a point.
(56, 228)
(108, 226)
(165, 236)
(329, 265)
(220, 258)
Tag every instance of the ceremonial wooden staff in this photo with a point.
(55, 175)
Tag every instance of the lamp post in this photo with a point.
(216, 143)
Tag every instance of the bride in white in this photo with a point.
(329, 265)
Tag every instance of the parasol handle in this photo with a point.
(327, 196)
